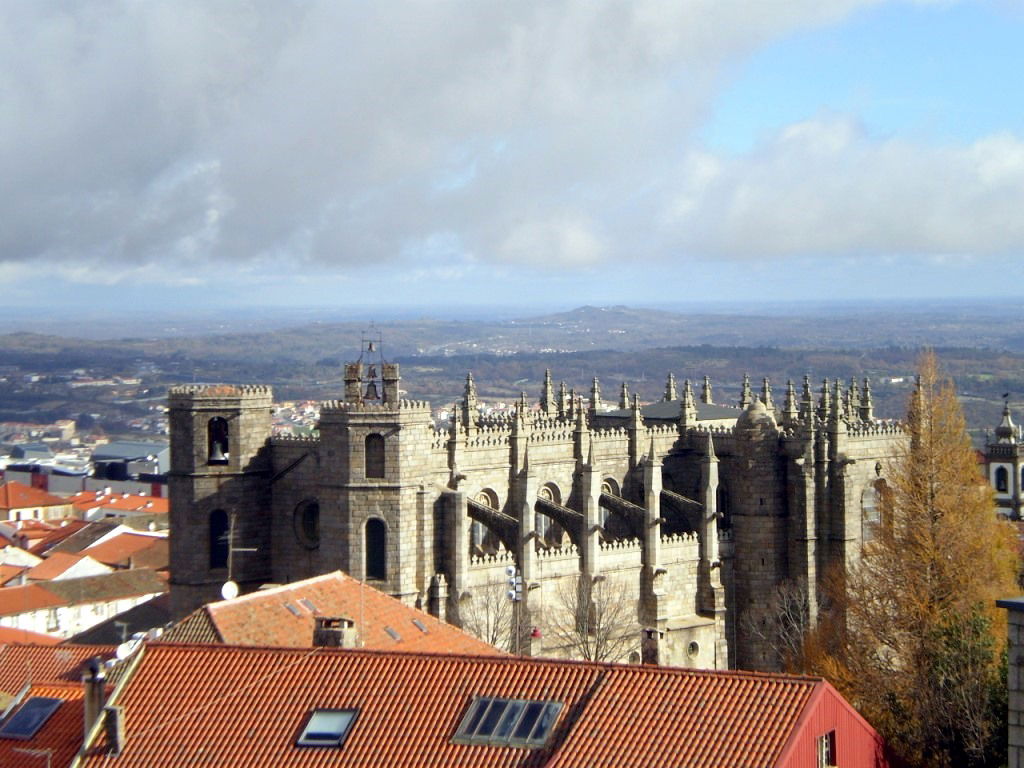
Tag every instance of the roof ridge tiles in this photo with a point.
(640, 669)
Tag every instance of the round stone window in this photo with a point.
(692, 649)
(306, 524)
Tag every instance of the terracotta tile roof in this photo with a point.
(284, 616)
(54, 536)
(61, 733)
(20, 664)
(10, 635)
(52, 567)
(8, 572)
(15, 495)
(125, 547)
(75, 536)
(107, 586)
(87, 589)
(28, 597)
(86, 500)
(231, 706)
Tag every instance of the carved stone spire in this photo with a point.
(825, 402)
(547, 394)
(624, 397)
(789, 410)
(670, 388)
(595, 396)
(563, 400)
(867, 407)
(766, 395)
(745, 396)
(688, 408)
(705, 391)
(469, 403)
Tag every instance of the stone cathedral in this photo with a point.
(695, 511)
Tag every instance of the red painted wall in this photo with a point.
(858, 745)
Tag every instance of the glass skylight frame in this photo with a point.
(320, 731)
(500, 721)
(30, 718)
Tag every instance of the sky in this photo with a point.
(551, 153)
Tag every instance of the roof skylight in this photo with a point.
(420, 625)
(307, 604)
(327, 728)
(394, 635)
(511, 722)
(32, 716)
(294, 611)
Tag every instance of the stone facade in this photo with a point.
(694, 511)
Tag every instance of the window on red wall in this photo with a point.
(827, 750)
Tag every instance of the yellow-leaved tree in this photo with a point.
(913, 637)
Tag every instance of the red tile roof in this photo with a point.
(126, 547)
(8, 572)
(55, 535)
(61, 734)
(86, 500)
(231, 706)
(20, 664)
(52, 567)
(9, 635)
(28, 597)
(265, 618)
(104, 587)
(15, 495)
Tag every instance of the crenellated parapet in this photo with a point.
(341, 406)
(215, 396)
(295, 440)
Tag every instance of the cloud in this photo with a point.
(825, 187)
(347, 134)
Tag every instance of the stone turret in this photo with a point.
(470, 405)
(766, 395)
(867, 409)
(789, 410)
(745, 396)
(688, 408)
(595, 396)
(624, 397)
(670, 389)
(547, 395)
(705, 391)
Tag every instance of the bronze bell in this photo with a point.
(371, 391)
(217, 455)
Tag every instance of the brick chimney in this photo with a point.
(334, 632)
(95, 682)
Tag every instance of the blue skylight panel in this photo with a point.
(327, 728)
(32, 716)
(508, 722)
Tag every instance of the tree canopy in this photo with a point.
(913, 637)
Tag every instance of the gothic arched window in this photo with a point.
(724, 512)
(870, 514)
(376, 549)
(217, 444)
(375, 455)
(1002, 478)
(220, 532)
